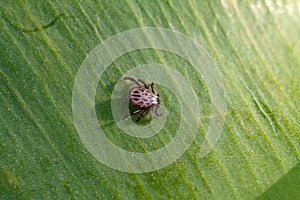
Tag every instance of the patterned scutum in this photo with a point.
(142, 97)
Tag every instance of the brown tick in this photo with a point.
(142, 98)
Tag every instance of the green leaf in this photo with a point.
(286, 188)
(255, 47)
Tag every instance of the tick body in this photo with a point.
(143, 98)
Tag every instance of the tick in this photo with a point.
(142, 98)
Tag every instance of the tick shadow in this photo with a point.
(104, 111)
(104, 114)
(103, 107)
(106, 119)
(143, 122)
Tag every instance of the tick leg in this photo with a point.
(142, 115)
(156, 109)
(152, 88)
(146, 86)
(131, 79)
(132, 113)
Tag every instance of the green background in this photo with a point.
(255, 46)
